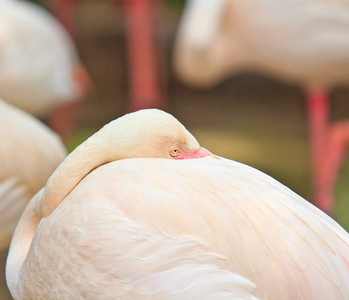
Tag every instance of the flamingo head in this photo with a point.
(151, 133)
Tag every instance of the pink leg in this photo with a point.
(144, 80)
(328, 143)
(329, 169)
(318, 126)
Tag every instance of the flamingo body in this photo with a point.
(305, 41)
(157, 227)
(134, 217)
(29, 153)
(39, 65)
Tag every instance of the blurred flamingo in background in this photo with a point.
(29, 153)
(300, 41)
(140, 210)
(40, 71)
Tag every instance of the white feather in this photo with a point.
(110, 225)
(29, 153)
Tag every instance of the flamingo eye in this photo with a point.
(174, 152)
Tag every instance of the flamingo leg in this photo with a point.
(335, 149)
(318, 112)
(143, 69)
(328, 143)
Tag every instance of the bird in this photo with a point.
(29, 153)
(303, 42)
(40, 69)
(284, 39)
(141, 211)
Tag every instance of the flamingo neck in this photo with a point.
(85, 158)
(20, 244)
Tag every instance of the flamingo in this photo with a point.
(40, 71)
(141, 211)
(303, 42)
(29, 153)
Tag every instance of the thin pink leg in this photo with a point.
(334, 150)
(318, 114)
(328, 145)
(318, 125)
(143, 69)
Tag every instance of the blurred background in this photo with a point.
(248, 117)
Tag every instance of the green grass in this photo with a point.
(79, 137)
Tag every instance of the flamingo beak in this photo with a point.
(201, 152)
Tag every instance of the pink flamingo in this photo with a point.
(40, 71)
(29, 153)
(141, 211)
(303, 42)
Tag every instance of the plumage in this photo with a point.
(301, 41)
(29, 153)
(39, 65)
(152, 227)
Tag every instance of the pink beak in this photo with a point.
(201, 152)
